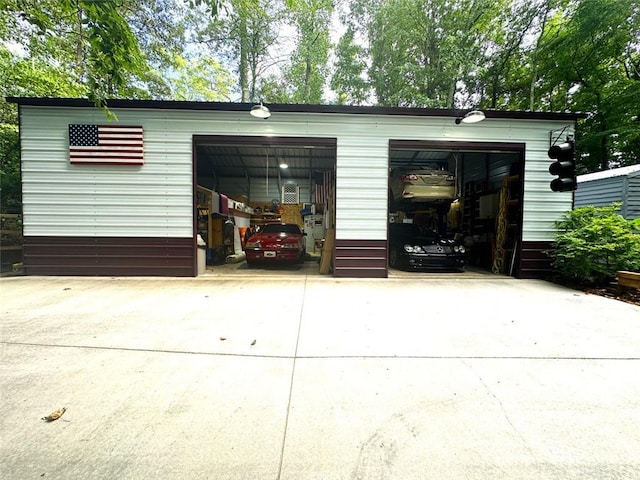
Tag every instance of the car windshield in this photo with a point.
(275, 228)
(415, 230)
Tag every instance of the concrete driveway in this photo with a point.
(309, 377)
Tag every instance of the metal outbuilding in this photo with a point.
(137, 215)
(609, 186)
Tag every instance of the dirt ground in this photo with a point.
(629, 295)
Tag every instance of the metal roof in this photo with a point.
(289, 108)
(257, 160)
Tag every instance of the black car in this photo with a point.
(415, 247)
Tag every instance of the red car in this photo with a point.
(276, 242)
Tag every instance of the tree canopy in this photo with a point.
(539, 55)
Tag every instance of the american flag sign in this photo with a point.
(324, 184)
(106, 145)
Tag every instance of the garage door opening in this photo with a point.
(466, 197)
(245, 183)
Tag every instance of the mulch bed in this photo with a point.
(629, 295)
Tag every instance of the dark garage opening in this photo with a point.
(477, 202)
(242, 183)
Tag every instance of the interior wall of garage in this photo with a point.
(258, 189)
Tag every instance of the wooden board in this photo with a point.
(326, 257)
(291, 214)
(628, 279)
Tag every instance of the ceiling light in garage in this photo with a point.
(283, 165)
(260, 111)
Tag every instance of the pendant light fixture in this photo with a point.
(473, 116)
(260, 111)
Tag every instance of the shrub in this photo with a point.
(593, 243)
(10, 183)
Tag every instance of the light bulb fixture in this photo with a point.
(473, 116)
(260, 111)
(283, 165)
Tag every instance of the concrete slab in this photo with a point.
(392, 378)
(490, 317)
(460, 418)
(135, 415)
(155, 314)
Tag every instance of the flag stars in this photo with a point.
(83, 135)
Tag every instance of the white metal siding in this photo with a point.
(156, 199)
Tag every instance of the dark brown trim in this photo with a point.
(360, 258)
(534, 262)
(453, 145)
(108, 256)
(291, 108)
(246, 140)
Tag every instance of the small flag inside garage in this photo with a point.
(106, 145)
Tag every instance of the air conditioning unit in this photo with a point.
(290, 194)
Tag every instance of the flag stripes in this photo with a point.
(106, 145)
(324, 184)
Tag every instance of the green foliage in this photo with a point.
(542, 55)
(593, 243)
(307, 71)
(10, 181)
(348, 78)
(202, 80)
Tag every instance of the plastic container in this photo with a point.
(202, 255)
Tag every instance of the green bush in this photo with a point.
(10, 183)
(593, 243)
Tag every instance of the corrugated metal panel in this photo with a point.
(475, 167)
(109, 256)
(620, 185)
(257, 188)
(534, 263)
(633, 197)
(600, 192)
(360, 258)
(154, 200)
(361, 170)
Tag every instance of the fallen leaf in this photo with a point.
(54, 415)
(253, 343)
(222, 339)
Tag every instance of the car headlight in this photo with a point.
(413, 249)
(252, 245)
(459, 248)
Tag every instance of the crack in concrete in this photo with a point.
(524, 441)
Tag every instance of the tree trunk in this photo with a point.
(307, 80)
(244, 84)
(79, 45)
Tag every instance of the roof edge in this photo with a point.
(291, 108)
(630, 170)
